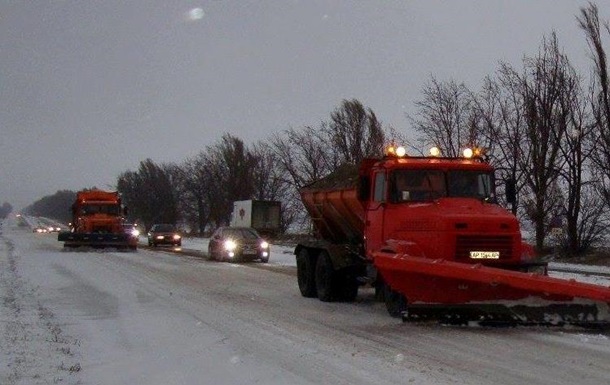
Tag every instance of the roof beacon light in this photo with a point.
(390, 150)
(468, 153)
(435, 151)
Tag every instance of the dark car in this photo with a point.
(238, 244)
(164, 234)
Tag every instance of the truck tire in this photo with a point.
(305, 274)
(326, 279)
(395, 303)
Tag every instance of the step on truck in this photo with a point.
(428, 234)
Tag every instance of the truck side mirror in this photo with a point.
(364, 188)
(511, 191)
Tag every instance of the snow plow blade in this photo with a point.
(96, 240)
(459, 293)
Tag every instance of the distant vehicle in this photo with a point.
(262, 216)
(164, 234)
(40, 230)
(134, 234)
(236, 244)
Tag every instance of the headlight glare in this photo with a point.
(230, 245)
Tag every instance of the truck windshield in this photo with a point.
(90, 209)
(471, 184)
(428, 185)
(417, 185)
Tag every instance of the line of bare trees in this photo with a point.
(201, 190)
(544, 126)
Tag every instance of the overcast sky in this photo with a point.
(88, 89)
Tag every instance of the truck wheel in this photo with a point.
(325, 278)
(305, 274)
(395, 302)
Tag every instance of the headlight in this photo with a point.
(176, 237)
(159, 237)
(264, 245)
(135, 233)
(230, 245)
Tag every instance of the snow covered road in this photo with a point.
(151, 317)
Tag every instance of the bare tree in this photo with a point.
(500, 107)
(544, 83)
(304, 155)
(195, 181)
(576, 153)
(445, 117)
(150, 193)
(354, 132)
(270, 182)
(589, 22)
(231, 169)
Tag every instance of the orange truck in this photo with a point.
(98, 220)
(429, 235)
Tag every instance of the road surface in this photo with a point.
(152, 317)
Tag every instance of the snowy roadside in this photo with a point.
(35, 349)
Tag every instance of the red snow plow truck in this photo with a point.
(428, 233)
(98, 221)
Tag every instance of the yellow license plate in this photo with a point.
(485, 254)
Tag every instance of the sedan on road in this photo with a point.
(238, 244)
(164, 234)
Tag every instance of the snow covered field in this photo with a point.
(153, 317)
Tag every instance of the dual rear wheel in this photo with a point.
(317, 278)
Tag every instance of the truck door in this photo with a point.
(373, 230)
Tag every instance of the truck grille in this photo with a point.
(467, 243)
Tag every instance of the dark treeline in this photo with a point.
(56, 206)
(201, 190)
(543, 124)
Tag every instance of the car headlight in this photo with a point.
(159, 237)
(135, 233)
(176, 237)
(264, 245)
(230, 245)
